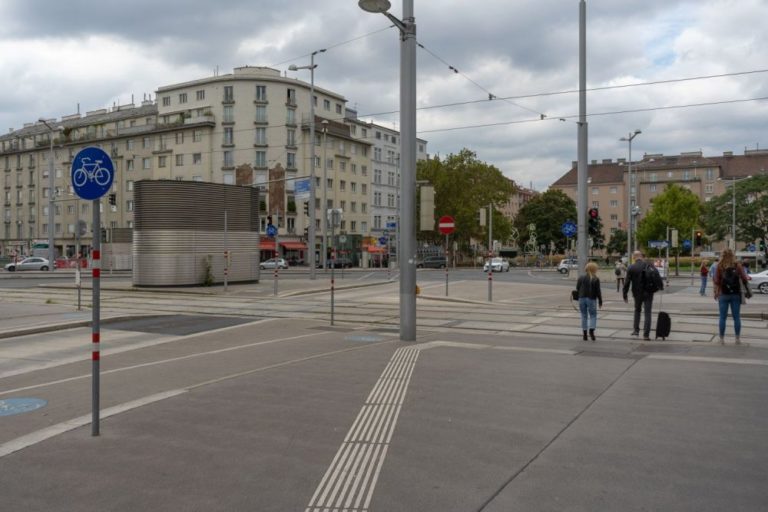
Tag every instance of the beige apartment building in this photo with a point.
(250, 127)
(608, 181)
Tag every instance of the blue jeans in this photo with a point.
(703, 289)
(588, 309)
(734, 300)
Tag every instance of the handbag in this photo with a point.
(574, 294)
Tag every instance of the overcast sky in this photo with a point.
(56, 55)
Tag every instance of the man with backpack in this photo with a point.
(644, 280)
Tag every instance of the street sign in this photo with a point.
(391, 225)
(658, 244)
(446, 225)
(301, 189)
(687, 244)
(92, 173)
(383, 240)
(751, 248)
(568, 228)
(271, 230)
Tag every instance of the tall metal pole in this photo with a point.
(51, 185)
(733, 212)
(581, 203)
(490, 253)
(96, 319)
(313, 186)
(323, 205)
(629, 203)
(408, 174)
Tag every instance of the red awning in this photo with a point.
(379, 250)
(293, 245)
(267, 245)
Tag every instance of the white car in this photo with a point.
(566, 265)
(272, 263)
(498, 265)
(33, 263)
(759, 281)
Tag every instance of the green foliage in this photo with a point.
(676, 207)
(618, 242)
(751, 211)
(463, 184)
(547, 212)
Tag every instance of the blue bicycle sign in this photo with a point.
(568, 228)
(92, 173)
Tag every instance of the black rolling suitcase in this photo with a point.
(663, 323)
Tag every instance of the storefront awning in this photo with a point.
(373, 249)
(293, 246)
(267, 245)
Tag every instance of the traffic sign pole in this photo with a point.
(95, 324)
(446, 265)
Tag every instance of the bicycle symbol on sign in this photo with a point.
(91, 171)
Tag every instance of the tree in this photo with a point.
(751, 211)
(598, 240)
(463, 184)
(547, 212)
(618, 242)
(675, 208)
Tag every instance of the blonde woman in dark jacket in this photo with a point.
(590, 298)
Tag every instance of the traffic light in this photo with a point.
(306, 208)
(699, 235)
(112, 199)
(593, 221)
(762, 245)
(269, 220)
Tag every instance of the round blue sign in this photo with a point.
(383, 240)
(686, 244)
(271, 230)
(92, 173)
(568, 229)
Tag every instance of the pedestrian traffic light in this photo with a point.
(762, 245)
(306, 208)
(593, 221)
(269, 220)
(112, 199)
(699, 235)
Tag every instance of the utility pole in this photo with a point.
(581, 203)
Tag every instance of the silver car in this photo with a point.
(33, 263)
(272, 263)
(498, 265)
(759, 281)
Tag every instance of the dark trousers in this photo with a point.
(644, 302)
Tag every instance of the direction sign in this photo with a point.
(568, 228)
(391, 225)
(301, 189)
(383, 240)
(92, 173)
(446, 225)
(271, 230)
(658, 244)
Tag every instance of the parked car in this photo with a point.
(432, 262)
(567, 264)
(340, 262)
(33, 263)
(272, 263)
(498, 265)
(759, 281)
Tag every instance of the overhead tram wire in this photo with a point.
(335, 45)
(595, 114)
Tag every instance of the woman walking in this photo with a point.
(590, 297)
(704, 272)
(621, 275)
(729, 282)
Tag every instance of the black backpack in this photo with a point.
(730, 282)
(650, 279)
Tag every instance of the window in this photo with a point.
(291, 97)
(329, 183)
(197, 158)
(183, 97)
(261, 159)
(353, 186)
(595, 191)
(261, 93)
(614, 203)
(342, 185)
(290, 160)
(290, 136)
(129, 144)
(343, 205)
(162, 161)
(129, 205)
(364, 170)
(197, 178)
(129, 165)
(342, 165)
(261, 114)
(377, 154)
(595, 204)
(146, 142)
(377, 199)
(686, 175)
(146, 163)
(353, 129)
(391, 179)
(329, 163)
(709, 188)
(353, 206)
(353, 226)
(229, 178)
(166, 101)
(710, 174)
(377, 176)
(377, 222)
(229, 93)
(229, 159)
(290, 116)
(364, 188)
(614, 217)
(353, 168)
(363, 227)
(197, 136)
(228, 136)
(129, 186)
(261, 136)
(179, 137)
(338, 108)
(365, 133)
(179, 160)
(326, 105)
(614, 190)
(652, 187)
(391, 200)
(229, 114)
(378, 135)
(200, 95)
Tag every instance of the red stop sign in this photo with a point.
(446, 225)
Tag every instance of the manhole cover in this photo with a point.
(11, 406)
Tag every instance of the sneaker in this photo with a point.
(738, 340)
(722, 340)
(646, 338)
(635, 333)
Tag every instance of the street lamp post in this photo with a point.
(324, 204)
(51, 185)
(312, 193)
(407, 28)
(630, 195)
(733, 207)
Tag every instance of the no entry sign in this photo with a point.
(446, 225)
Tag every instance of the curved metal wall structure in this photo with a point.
(179, 234)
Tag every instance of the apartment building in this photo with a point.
(250, 127)
(609, 189)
